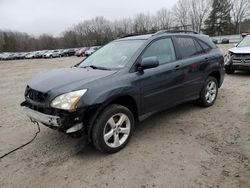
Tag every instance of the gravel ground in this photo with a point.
(186, 146)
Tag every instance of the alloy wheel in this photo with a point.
(211, 92)
(117, 130)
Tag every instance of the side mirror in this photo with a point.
(148, 63)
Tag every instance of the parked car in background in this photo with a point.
(52, 54)
(2, 55)
(244, 34)
(47, 54)
(5, 56)
(14, 56)
(68, 52)
(92, 50)
(60, 52)
(123, 83)
(225, 41)
(39, 54)
(30, 55)
(215, 41)
(20, 55)
(11, 56)
(238, 58)
(81, 52)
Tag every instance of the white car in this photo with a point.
(52, 54)
(2, 55)
(30, 55)
(92, 50)
(238, 58)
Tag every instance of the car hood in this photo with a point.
(67, 78)
(240, 50)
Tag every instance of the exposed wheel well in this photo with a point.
(216, 74)
(129, 103)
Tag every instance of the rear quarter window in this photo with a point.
(205, 47)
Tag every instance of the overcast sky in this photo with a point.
(54, 16)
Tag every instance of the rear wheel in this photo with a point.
(209, 92)
(113, 129)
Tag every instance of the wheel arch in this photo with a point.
(217, 76)
(123, 100)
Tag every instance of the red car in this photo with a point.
(81, 52)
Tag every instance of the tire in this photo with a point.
(229, 70)
(209, 92)
(117, 134)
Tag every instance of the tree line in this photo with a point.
(212, 17)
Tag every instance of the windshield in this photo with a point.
(114, 55)
(245, 42)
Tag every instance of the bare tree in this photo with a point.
(2, 41)
(240, 11)
(198, 12)
(163, 19)
(181, 13)
(99, 31)
(142, 23)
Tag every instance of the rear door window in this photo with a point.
(188, 47)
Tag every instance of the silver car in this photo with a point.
(238, 58)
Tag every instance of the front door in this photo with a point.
(161, 87)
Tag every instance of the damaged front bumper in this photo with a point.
(237, 62)
(35, 116)
(62, 121)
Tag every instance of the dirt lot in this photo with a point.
(187, 146)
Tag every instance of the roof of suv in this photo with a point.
(137, 37)
(159, 33)
(202, 37)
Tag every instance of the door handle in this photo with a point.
(177, 67)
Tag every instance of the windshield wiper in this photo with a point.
(96, 67)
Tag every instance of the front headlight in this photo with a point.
(228, 58)
(68, 101)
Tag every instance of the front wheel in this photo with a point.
(209, 92)
(113, 129)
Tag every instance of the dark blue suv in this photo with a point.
(125, 82)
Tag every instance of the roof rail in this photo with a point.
(129, 35)
(174, 31)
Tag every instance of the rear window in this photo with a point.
(188, 47)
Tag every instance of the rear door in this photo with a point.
(161, 86)
(194, 62)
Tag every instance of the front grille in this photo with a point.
(35, 95)
(241, 58)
